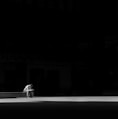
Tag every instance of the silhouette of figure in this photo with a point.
(29, 91)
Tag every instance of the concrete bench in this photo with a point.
(12, 94)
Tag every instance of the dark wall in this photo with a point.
(15, 78)
(46, 83)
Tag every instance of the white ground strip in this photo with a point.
(62, 99)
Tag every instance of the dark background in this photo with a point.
(67, 32)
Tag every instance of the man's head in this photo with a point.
(30, 86)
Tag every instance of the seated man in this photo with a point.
(29, 91)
